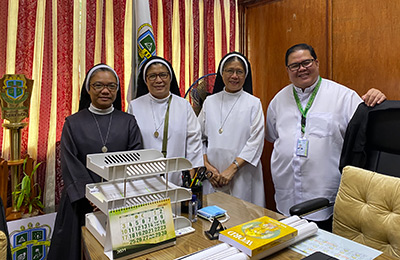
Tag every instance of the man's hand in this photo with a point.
(373, 97)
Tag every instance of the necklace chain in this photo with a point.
(156, 133)
(221, 129)
(104, 142)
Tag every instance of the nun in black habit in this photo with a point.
(97, 127)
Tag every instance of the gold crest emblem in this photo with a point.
(15, 96)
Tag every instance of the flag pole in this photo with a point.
(132, 82)
(144, 43)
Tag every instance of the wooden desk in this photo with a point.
(240, 211)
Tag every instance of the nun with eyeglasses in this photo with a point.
(166, 120)
(98, 127)
(232, 124)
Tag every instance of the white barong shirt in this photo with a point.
(297, 179)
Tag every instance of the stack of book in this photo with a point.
(264, 236)
(258, 235)
(257, 239)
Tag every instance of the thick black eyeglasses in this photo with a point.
(98, 86)
(162, 75)
(305, 64)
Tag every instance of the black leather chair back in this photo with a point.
(372, 139)
(383, 142)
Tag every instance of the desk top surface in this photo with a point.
(239, 211)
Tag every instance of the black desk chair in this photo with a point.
(372, 139)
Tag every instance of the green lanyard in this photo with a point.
(165, 135)
(309, 103)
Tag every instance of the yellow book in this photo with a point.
(258, 235)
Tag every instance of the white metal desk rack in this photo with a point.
(133, 177)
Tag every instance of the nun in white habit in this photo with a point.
(232, 123)
(166, 120)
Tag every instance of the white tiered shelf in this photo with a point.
(133, 178)
(134, 164)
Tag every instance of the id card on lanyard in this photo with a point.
(302, 147)
(302, 142)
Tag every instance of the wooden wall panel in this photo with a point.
(366, 49)
(271, 28)
(275, 26)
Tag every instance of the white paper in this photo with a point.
(290, 220)
(237, 256)
(206, 252)
(223, 254)
(335, 246)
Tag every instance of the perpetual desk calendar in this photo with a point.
(138, 207)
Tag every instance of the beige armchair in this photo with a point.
(367, 209)
(3, 246)
(5, 250)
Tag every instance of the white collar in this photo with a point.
(160, 100)
(237, 93)
(306, 91)
(99, 111)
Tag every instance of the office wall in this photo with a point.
(366, 45)
(357, 43)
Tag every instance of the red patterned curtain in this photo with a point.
(56, 42)
(194, 35)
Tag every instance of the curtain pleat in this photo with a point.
(38, 147)
(118, 41)
(3, 40)
(37, 75)
(91, 36)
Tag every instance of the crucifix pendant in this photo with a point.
(104, 149)
(156, 134)
(220, 130)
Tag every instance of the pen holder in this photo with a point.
(198, 191)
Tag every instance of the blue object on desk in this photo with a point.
(211, 212)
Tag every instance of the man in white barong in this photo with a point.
(307, 121)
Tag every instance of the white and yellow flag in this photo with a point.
(145, 45)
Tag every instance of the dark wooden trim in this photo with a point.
(242, 29)
(329, 39)
(252, 3)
